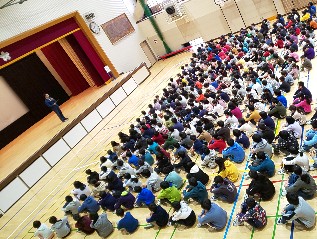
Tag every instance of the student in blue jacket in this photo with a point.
(263, 164)
(127, 224)
(311, 137)
(195, 190)
(89, 204)
(145, 196)
(234, 152)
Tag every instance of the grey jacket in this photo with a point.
(61, 227)
(103, 226)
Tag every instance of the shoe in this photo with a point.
(236, 223)
(169, 224)
(213, 198)
(198, 225)
(158, 202)
(245, 197)
(65, 120)
(279, 221)
(281, 171)
(148, 226)
(284, 193)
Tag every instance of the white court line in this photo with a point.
(69, 173)
(76, 169)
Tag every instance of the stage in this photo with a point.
(84, 111)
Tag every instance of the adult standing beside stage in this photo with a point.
(52, 104)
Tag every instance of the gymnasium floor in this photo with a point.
(47, 196)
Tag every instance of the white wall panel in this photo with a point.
(141, 75)
(35, 171)
(75, 135)
(118, 96)
(129, 86)
(105, 107)
(91, 120)
(56, 152)
(11, 193)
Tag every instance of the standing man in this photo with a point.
(52, 104)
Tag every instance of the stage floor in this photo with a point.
(23, 147)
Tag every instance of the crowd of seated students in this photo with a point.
(220, 110)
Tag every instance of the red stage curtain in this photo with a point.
(92, 55)
(85, 60)
(36, 40)
(65, 68)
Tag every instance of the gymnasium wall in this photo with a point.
(207, 20)
(18, 18)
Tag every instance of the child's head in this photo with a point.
(52, 220)
(120, 212)
(36, 224)
(68, 198)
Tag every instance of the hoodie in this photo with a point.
(279, 109)
(172, 194)
(61, 227)
(235, 153)
(153, 182)
(226, 190)
(198, 193)
(145, 196)
(263, 146)
(231, 172)
(72, 207)
(103, 226)
(126, 199)
(175, 179)
(90, 204)
(265, 166)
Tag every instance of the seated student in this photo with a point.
(252, 213)
(212, 215)
(173, 178)
(218, 144)
(182, 214)
(295, 158)
(303, 185)
(158, 216)
(197, 173)
(80, 189)
(234, 152)
(42, 231)
(98, 187)
(89, 204)
(253, 116)
(223, 189)
(153, 180)
(146, 156)
(241, 138)
(127, 224)
(142, 166)
(183, 163)
(311, 137)
(60, 227)
(107, 201)
(299, 211)
(260, 144)
(123, 168)
(304, 102)
(152, 146)
(114, 183)
(169, 193)
(245, 127)
(277, 110)
(263, 164)
(260, 186)
(195, 190)
(106, 171)
(284, 85)
(305, 63)
(130, 181)
(102, 224)
(204, 135)
(158, 138)
(222, 131)
(92, 174)
(71, 206)
(197, 145)
(281, 98)
(285, 141)
(266, 133)
(267, 120)
(231, 121)
(227, 169)
(145, 196)
(208, 158)
(179, 148)
(125, 199)
(133, 160)
(83, 225)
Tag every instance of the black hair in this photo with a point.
(206, 204)
(176, 206)
(292, 198)
(297, 169)
(192, 181)
(52, 220)
(218, 179)
(164, 185)
(250, 202)
(146, 173)
(36, 224)
(120, 212)
(137, 189)
(83, 197)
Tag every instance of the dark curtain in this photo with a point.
(65, 68)
(85, 60)
(91, 54)
(30, 80)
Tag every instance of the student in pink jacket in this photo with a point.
(303, 102)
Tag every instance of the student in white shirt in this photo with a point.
(42, 231)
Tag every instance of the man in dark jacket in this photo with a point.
(302, 90)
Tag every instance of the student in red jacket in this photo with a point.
(279, 43)
(218, 144)
(83, 225)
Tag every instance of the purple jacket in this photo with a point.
(310, 53)
(125, 200)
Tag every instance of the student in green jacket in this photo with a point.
(171, 193)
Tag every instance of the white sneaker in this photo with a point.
(169, 224)
(279, 221)
(281, 171)
(213, 198)
(198, 225)
(158, 202)
(245, 197)
(237, 223)
(284, 193)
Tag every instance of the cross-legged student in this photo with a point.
(127, 224)
(42, 231)
(158, 216)
(195, 190)
(89, 204)
(260, 186)
(71, 206)
(102, 224)
(169, 193)
(212, 215)
(145, 196)
(83, 225)
(223, 189)
(183, 214)
(299, 211)
(60, 227)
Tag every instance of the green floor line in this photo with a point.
(160, 227)
(173, 232)
(278, 207)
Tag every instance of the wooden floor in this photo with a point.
(47, 196)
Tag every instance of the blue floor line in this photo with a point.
(292, 231)
(235, 204)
